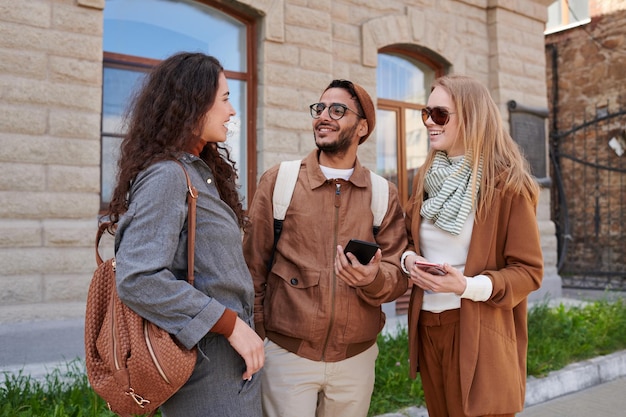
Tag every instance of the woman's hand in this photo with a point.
(453, 281)
(249, 345)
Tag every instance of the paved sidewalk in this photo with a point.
(604, 400)
(37, 347)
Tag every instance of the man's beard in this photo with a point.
(342, 144)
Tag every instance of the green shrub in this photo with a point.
(393, 388)
(562, 335)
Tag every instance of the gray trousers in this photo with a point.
(216, 387)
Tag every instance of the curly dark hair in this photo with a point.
(161, 121)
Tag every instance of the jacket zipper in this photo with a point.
(337, 204)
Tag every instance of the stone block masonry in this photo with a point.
(50, 105)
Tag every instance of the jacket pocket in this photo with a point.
(363, 322)
(498, 369)
(292, 302)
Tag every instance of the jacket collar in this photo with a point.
(188, 157)
(360, 176)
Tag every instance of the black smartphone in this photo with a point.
(363, 250)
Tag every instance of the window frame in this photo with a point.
(400, 107)
(137, 63)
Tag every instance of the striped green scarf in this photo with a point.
(448, 184)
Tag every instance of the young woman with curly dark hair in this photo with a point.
(179, 116)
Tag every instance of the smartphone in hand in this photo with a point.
(431, 268)
(363, 250)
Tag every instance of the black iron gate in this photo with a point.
(589, 201)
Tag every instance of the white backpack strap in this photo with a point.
(380, 198)
(283, 189)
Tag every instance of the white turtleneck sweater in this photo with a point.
(440, 247)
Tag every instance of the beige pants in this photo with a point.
(293, 386)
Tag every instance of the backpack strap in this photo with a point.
(281, 197)
(380, 199)
(192, 197)
(286, 183)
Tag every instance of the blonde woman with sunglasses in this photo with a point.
(472, 213)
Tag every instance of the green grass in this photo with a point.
(393, 388)
(558, 336)
(63, 393)
(563, 335)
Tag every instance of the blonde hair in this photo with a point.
(483, 135)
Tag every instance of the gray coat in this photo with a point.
(151, 253)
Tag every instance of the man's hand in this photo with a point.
(352, 272)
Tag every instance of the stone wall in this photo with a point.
(50, 101)
(326, 40)
(50, 106)
(591, 65)
(588, 64)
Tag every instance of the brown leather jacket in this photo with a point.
(300, 304)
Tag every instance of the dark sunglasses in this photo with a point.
(439, 115)
(335, 110)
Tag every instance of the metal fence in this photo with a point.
(589, 201)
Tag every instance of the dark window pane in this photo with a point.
(118, 84)
(386, 145)
(110, 155)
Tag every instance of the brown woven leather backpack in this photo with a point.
(131, 363)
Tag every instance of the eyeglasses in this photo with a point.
(439, 115)
(335, 110)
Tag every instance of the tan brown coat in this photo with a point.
(494, 336)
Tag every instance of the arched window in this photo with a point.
(403, 86)
(140, 33)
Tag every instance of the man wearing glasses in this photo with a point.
(318, 307)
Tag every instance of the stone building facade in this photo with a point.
(51, 80)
